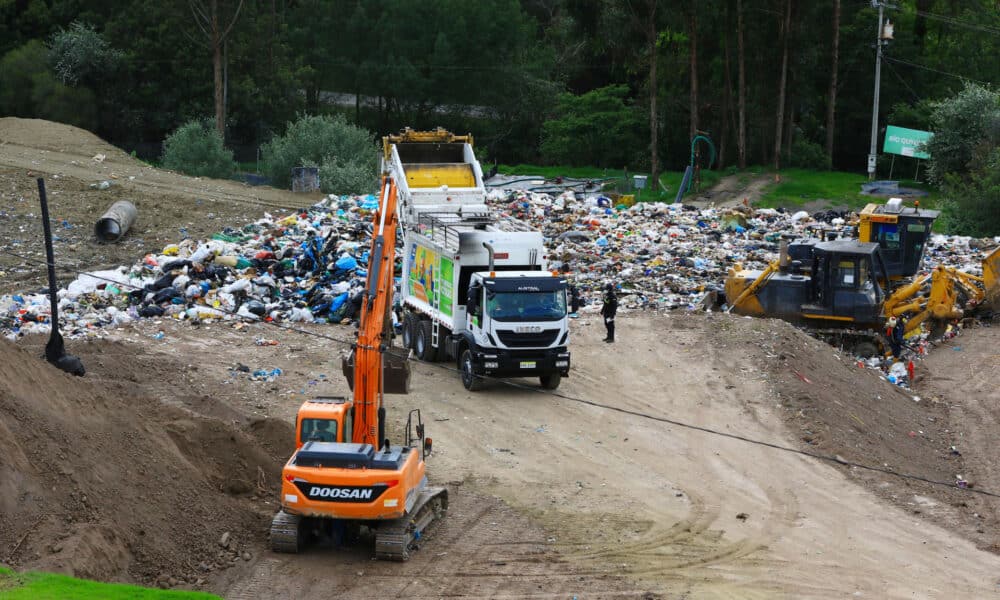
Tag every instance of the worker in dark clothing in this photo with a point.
(896, 340)
(894, 333)
(574, 301)
(608, 311)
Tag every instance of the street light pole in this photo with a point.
(878, 84)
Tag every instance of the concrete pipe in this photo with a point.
(116, 221)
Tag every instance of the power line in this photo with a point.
(903, 81)
(643, 415)
(940, 72)
(958, 23)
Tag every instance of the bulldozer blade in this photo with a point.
(991, 280)
(395, 370)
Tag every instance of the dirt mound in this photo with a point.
(58, 137)
(836, 408)
(99, 480)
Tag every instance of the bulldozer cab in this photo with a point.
(900, 231)
(845, 282)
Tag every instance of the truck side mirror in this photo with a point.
(472, 300)
(428, 446)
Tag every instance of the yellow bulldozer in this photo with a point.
(845, 290)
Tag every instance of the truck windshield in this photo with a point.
(526, 306)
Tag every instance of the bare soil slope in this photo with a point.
(102, 482)
(171, 206)
(963, 377)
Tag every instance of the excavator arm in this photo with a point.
(377, 370)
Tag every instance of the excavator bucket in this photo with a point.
(395, 370)
(991, 280)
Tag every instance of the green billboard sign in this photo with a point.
(904, 142)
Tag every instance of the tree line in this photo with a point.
(617, 83)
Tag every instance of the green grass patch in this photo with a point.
(672, 180)
(49, 586)
(800, 186)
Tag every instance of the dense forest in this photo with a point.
(600, 82)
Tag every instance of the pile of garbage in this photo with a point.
(310, 266)
(302, 267)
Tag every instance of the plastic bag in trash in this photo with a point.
(347, 263)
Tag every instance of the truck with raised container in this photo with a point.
(474, 289)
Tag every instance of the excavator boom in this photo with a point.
(358, 476)
(370, 378)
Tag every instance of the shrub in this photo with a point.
(808, 155)
(973, 204)
(29, 89)
(966, 127)
(340, 178)
(80, 54)
(345, 153)
(196, 148)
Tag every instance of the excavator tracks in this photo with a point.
(394, 539)
(286, 532)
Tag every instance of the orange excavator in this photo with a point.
(344, 473)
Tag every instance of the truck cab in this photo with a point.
(516, 326)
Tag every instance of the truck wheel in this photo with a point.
(408, 326)
(422, 341)
(470, 380)
(551, 381)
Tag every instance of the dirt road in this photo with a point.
(596, 503)
(733, 190)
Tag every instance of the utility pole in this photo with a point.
(884, 34)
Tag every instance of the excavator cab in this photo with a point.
(900, 231)
(324, 419)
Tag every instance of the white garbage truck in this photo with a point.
(474, 289)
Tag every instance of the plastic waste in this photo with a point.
(347, 262)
